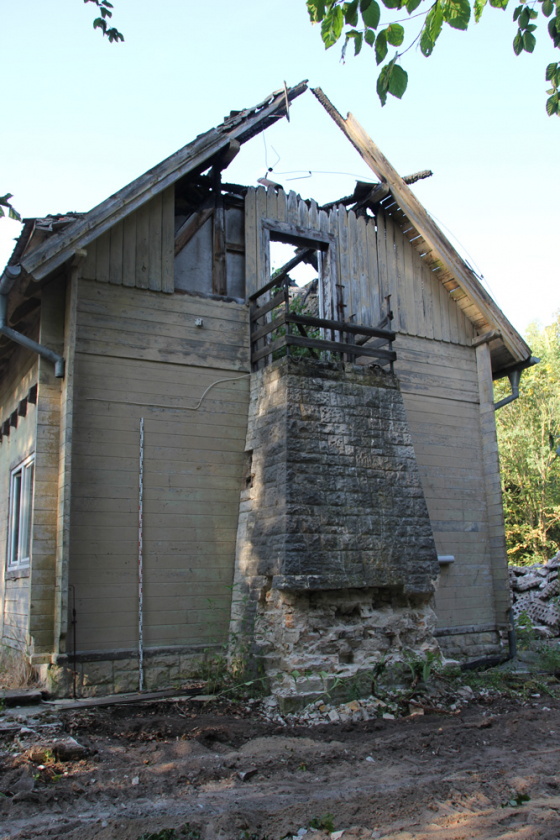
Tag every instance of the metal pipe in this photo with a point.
(10, 275)
(514, 376)
(141, 560)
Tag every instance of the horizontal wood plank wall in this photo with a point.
(193, 465)
(14, 591)
(138, 251)
(440, 387)
(126, 323)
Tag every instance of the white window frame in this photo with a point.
(21, 513)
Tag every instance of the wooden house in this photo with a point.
(130, 338)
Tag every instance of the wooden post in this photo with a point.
(219, 270)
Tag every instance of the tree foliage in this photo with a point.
(102, 22)
(529, 437)
(359, 22)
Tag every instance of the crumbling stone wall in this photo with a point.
(336, 561)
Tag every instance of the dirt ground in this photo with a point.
(229, 773)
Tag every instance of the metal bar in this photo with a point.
(141, 561)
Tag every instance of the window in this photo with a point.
(21, 498)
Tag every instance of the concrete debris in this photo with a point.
(535, 590)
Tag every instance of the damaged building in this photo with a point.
(191, 453)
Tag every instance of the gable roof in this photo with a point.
(226, 138)
(75, 231)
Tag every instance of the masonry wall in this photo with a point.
(333, 524)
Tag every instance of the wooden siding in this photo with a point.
(140, 355)
(14, 587)
(138, 251)
(441, 394)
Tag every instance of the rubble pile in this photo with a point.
(535, 590)
(396, 704)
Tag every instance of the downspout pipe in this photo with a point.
(514, 376)
(9, 277)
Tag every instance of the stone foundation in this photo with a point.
(339, 642)
(118, 673)
(472, 645)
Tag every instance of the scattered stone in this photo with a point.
(245, 775)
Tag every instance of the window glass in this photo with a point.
(21, 502)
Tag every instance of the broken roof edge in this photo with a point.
(240, 126)
(427, 229)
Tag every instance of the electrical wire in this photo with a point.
(173, 407)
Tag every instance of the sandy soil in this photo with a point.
(230, 774)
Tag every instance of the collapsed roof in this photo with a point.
(45, 245)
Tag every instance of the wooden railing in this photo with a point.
(346, 340)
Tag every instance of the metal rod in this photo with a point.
(141, 561)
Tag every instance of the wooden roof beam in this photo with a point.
(425, 225)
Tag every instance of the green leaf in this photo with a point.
(370, 37)
(517, 12)
(412, 5)
(552, 105)
(432, 29)
(547, 8)
(457, 13)
(371, 14)
(478, 9)
(13, 214)
(383, 84)
(554, 31)
(395, 34)
(316, 10)
(524, 19)
(398, 81)
(350, 11)
(550, 71)
(529, 42)
(394, 4)
(499, 4)
(357, 37)
(381, 46)
(518, 43)
(5, 199)
(331, 27)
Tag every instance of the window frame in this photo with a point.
(22, 476)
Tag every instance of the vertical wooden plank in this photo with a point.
(392, 271)
(383, 280)
(436, 307)
(444, 310)
(341, 300)
(404, 315)
(168, 240)
(324, 262)
(129, 250)
(412, 301)
(154, 246)
(469, 330)
(142, 246)
(418, 291)
(281, 206)
(428, 305)
(314, 215)
(453, 326)
(262, 241)
(363, 286)
(116, 255)
(271, 203)
(352, 299)
(250, 242)
(90, 263)
(292, 214)
(375, 295)
(103, 257)
(303, 214)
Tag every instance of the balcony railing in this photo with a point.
(274, 326)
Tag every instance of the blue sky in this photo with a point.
(82, 118)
